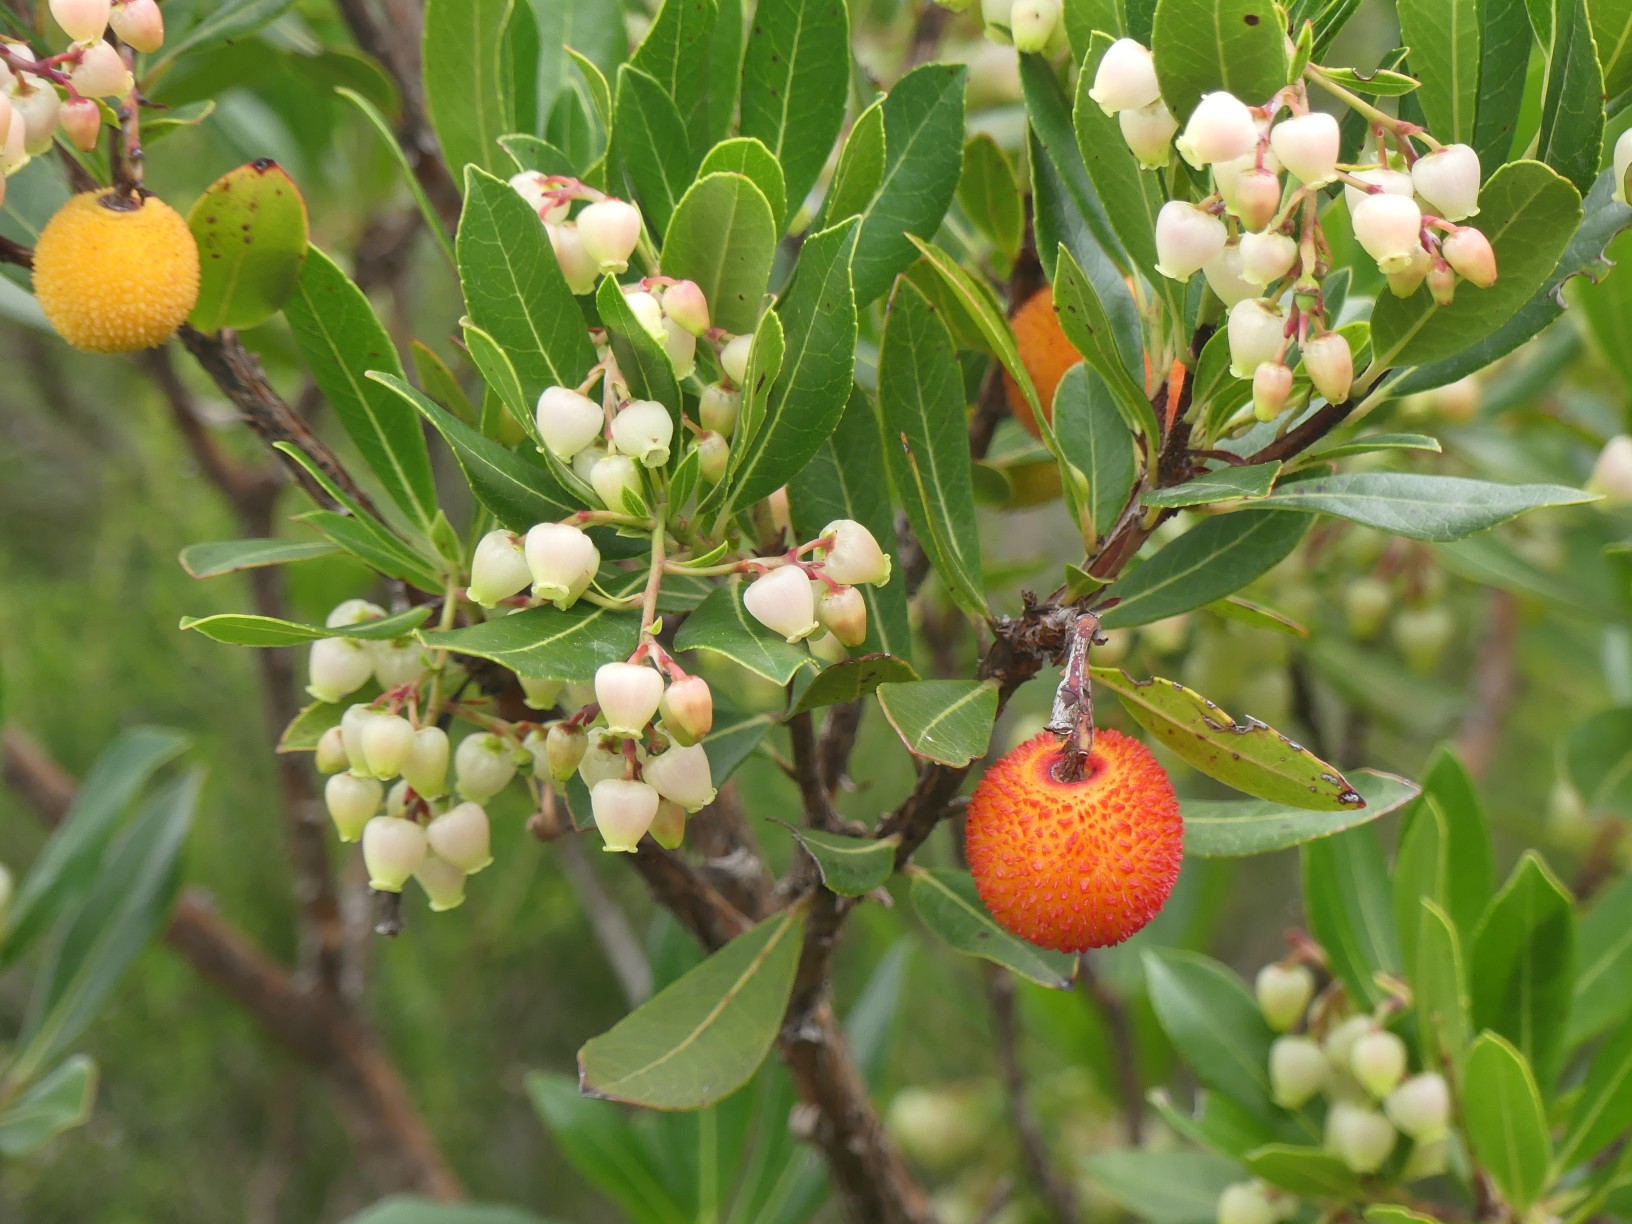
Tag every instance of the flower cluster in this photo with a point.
(817, 600)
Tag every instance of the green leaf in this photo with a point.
(723, 236)
(1379, 82)
(1531, 213)
(1598, 762)
(1204, 45)
(427, 210)
(502, 379)
(643, 362)
(722, 626)
(852, 680)
(60, 1101)
(1444, 37)
(1439, 987)
(250, 225)
(795, 82)
(1089, 326)
(408, 1209)
(850, 866)
(1206, 563)
(1371, 443)
(1505, 1123)
(745, 156)
(1244, 612)
(860, 169)
(1612, 32)
(1504, 55)
(847, 479)
(1572, 110)
(733, 740)
(547, 643)
(676, 51)
(1223, 485)
(343, 340)
(237, 629)
(949, 721)
(373, 545)
(926, 442)
(1389, 1213)
(1304, 1171)
(1468, 888)
(923, 160)
(1603, 987)
(1522, 970)
(1346, 901)
(1207, 1012)
(219, 557)
(1604, 1111)
(464, 74)
(818, 315)
(306, 729)
(1164, 1187)
(1234, 828)
(989, 192)
(219, 23)
(1421, 870)
(702, 1038)
(649, 139)
(947, 902)
(1420, 507)
(1097, 442)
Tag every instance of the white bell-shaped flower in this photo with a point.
(578, 266)
(624, 811)
(1187, 239)
(398, 662)
(610, 232)
(1421, 1107)
(681, 347)
(353, 612)
(392, 849)
(1126, 78)
(387, 739)
(855, 558)
(718, 409)
(681, 774)
(647, 311)
(498, 569)
(1448, 178)
(443, 883)
(1149, 131)
(352, 802)
(734, 358)
(139, 23)
(684, 302)
(1224, 277)
(616, 481)
(1329, 362)
(644, 431)
(1032, 24)
(1257, 198)
(483, 765)
(562, 560)
(1469, 252)
(1271, 387)
(843, 613)
(81, 20)
(462, 836)
(1612, 471)
(781, 600)
(1308, 147)
(568, 421)
(1220, 128)
(1361, 1138)
(1265, 258)
(669, 825)
(628, 694)
(1256, 331)
(426, 769)
(687, 709)
(1389, 227)
(337, 668)
(1391, 182)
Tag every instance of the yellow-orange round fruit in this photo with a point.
(1044, 351)
(115, 275)
(1075, 865)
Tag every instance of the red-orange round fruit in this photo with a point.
(1044, 351)
(1075, 865)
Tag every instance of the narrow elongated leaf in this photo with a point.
(1098, 443)
(502, 379)
(1223, 485)
(1087, 322)
(851, 680)
(676, 53)
(750, 158)
(219, 557)
(342, 340)
(1504, 52)
(1506, 1124)
(721, 625)
(1347, 901)
(702, 1038)
(427, 209)
(464, 76)
(947, 902)
(1439, 988)
(649, 138)
(1603, 987)
(1604, 1111)
(1445, 37)
(1522, 969)
(1204, 45)
(850, 866)
(989, 192)
(1472, 883)
(1178, 1187)
(61, 1101)
(372, 544)
(1612, 31)
(546, 643)
(1208, 1012)
(1421, 870)
(949, 721)
(1372, 443)
(244, 630)
(860, 169)
(723, 236)
(1420, 507)
(218, 23)
(1234, 828)
(1572, 108)
(1304, 1171)
(250, 225)
(795, 81)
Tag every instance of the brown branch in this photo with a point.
(1054, 1190)
(1124, 1049)
(16, 253)
(700, 907)
(807, 774)
(1495, 686)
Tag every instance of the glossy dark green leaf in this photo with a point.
(1422, 870)
(860, 168)
(219, 23)
(733, 740)
(676, 52)
(1234, 828)
(1506, 1124)
(649, 138)
(251, 229)
(1420, 507)
(1603, 986)
(60, 1101)
(1439, 990)
(989, 193)
(1598, 762)
(546, 643)
(702, 1038)
(1176, 1187)
(1222, 485)
(463, 52)
(374, 546)
(795, 82)
(947, 902)
(851, 680)
(219, 557)
(1572, 109)
(750, 158)
(1209, 1013)
(722, 626)
(1305, 1171)
(949, 721)
(1205, 45)
(244, 630)
(723, 236)
(1096, 440)
(1604, 1110)
(1444, 37)
(1087, 322)
(850, 866)
(1346, 900)
(1612, 31)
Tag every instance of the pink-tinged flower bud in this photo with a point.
(392, 849)
(1329, 362)
(1220, 128)
(1392, 182)
(568, 421)
(718, 409)
(843, 613)
(624, 811)
(648, 313)
(81, 20)
(1612, 473)
(1623, 163)
(610, 232)
(781, 601)
(1448, 179)
(426, 767)
(139, 23)
(1271, 385)
(1187, 238)
(1227, 174)
(352, 802)
(629, 694)
(1265, 258)
(443, 883)
(1361, 1138)
(498, 569)
(578, 267)
(101, 73)
(538, 693)
(386, 741)
(684, 302)
(1378, 1062)
(1469, 252)
(1224, 277)
(1283, 992)
(353, 612)
(1421, 1107)
(994, 16)
(616, 481)
(38, 110)
(643, 430)
(713, 457)
(81, 123)
(483, 765)
(826, 648)
(681, 347)
(1245, 1203)
(563, 561)
(1148, 131)
(1032, 24)
(688, 710)
(1441, 282)
(782, 517)
(1126, 78)
(1307, 146)
(564, 748)
(1389, 227)
(397, 663)
(854, 559)
(534, 187)
(1297, 1071)
(1409, 279)
(669, 825)
(734, 358)
(1256, 330)
(682, 775)
(331, 752)
(606, 756)
(461, 835)
(337, 668)
(1257, 198)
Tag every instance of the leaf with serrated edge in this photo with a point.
(948, 904)
(750, 158)
(949, 721)
(795, 81)
(1234, 828)
(1206, 45)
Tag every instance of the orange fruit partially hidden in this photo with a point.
(1045, 352)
